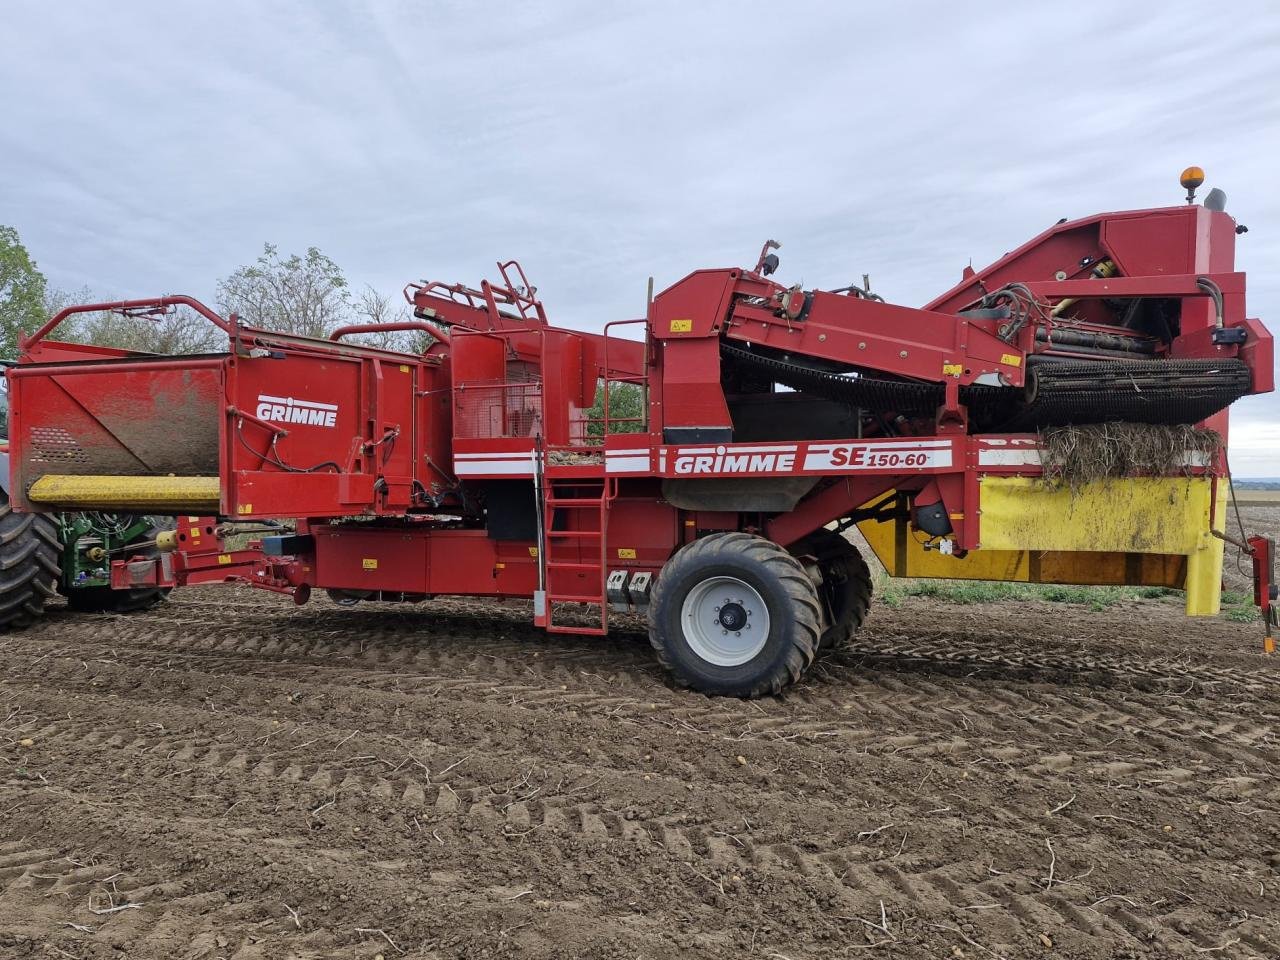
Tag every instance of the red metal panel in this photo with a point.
(354, 559)
(117, 417)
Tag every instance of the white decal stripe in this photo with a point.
(627, 465)
(730, 448)
(871, 445)
(510, 468)
(1009, 458)
(639, 451)
(819, 461)
(511, 455)
(1032, 458)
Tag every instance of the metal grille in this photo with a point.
(55, 445)
(497, 409)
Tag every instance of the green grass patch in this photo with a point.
(1237, 607)
(1243, 614)
(987, 591)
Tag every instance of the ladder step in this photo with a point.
(573, 598)
(580, 631)
(574, 502)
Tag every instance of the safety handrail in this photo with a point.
(125, 307)
(390, 326)
(641, 380)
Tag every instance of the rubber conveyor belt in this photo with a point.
(1057, 392)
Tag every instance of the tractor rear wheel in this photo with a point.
(845, 588)
(29, 565)
(735, 615)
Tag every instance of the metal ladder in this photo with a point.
(581, 507)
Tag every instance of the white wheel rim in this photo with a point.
(725, 620)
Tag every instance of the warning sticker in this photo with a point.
(369, 563)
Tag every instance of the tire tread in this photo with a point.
(787, 570)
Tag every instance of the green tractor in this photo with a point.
(70, 553)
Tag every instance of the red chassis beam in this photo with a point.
(200, 557)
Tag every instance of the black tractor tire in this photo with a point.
(130, 600)
(740, 565)
(845, 590)
(30, 562)
(106, 600)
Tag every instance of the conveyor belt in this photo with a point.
(1135, 391)
(911, 399)
(1057, 392)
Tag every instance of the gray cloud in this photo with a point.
(152, 147)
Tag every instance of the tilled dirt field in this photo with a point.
(230, 776)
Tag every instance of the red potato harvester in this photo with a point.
(773, 417)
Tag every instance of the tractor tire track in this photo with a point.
(470, 787)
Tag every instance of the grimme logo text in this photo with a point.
(292, 410)
(722, 461)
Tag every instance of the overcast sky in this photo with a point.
(152, 147)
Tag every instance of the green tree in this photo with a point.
(22, 292)
(626, 409)
(370, 306)
(305, 295)
(178, 331)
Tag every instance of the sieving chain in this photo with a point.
(1057, 393)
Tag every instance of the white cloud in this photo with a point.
(153, 147)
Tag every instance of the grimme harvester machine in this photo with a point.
(774, 416)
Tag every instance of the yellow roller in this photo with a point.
(128, 494)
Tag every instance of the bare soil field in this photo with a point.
(231, 776)
(1258, 517)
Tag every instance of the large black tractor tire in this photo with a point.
(29, 565)
(106, 600)
(734, 615)
(845, 590)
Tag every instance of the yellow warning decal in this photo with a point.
(626, 553)
(224, 558)
(1011, 359)
(533, 551)
(245, 508)
(369, 563)
(404, 368)
(681, 326)
(952, 369)
(193, 519)
(499, 566)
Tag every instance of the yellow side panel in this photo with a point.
(1138, 531)
(1138, 515)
